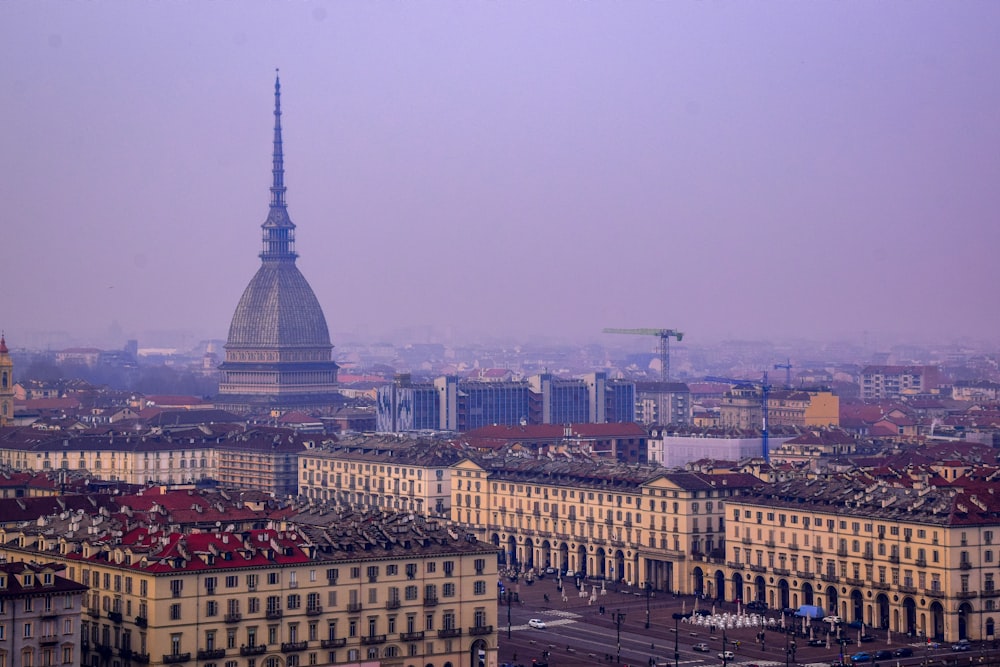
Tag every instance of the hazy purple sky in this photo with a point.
(745, 169)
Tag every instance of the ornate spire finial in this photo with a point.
(279, 230)
(3, 343)
(278, 159)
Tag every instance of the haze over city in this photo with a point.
(812, 170)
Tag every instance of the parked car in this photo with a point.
(550, 570)
(836, 620)
(536, 623)
(961, 645)
(846, 641)
(727, 655)
(883, 654)
(701, 647)
(756, 605)
(867, 638)
(817, 642)
(861, 657)
(903, 652)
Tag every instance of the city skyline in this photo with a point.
(736, 171)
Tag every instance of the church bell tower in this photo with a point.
(6, 384)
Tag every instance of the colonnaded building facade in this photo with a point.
(911, 559)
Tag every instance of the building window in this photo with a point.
(479, 588)
(175, 612)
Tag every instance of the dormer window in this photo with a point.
(3, 581)
(47, 578)
(28, 580)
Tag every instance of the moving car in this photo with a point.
(861, 657)
(756, 605)
(867, 638)
(833, 619)
(536, 623)
(883, 654)
(903, 652)
(961, 645)
(727, 655)
(701, 647)
(817, 642)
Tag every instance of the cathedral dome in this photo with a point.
(278, 309)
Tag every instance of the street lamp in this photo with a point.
(677, 650)
(619, 619)
(510, 594)
(648, 592)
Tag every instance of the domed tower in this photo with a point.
(6, 384)
(278, 355)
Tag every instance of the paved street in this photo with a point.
(577, 633)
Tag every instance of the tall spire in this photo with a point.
(279, 230)
(278, 159)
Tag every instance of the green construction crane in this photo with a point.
(664, 335)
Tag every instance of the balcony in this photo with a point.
(757, 568)
(934, 592)
(965, 565)
(782, 572)
(115, 616)
(411, 636)
(831, 578)
(176, 658)
(211, 653)
(430, 602)
(868, 555)
(735, 566)
(842, 552)
(129, 654)
(965, 595)
(333, 643)
(894, 558)
(353, 607)
(93, 612)
(769, 544)
(272, 614)
(853, 581)
(48, 640)
(393, 604)
(256, 649)
(805, 575)
(881, 585)
(105, 650)
(449, 632)
(921, 562)
(314, 610)
(373, 639)
(141, 621)
(234, 618)
(793, 547)
(481, 630)
(747, 540)
(590, 519)
(294, 647)
(903, 588)
(817, 549)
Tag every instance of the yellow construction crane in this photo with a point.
(664, 335)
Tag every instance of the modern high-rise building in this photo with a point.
(278, 355)
(452, 404)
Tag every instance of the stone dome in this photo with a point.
(278, 309)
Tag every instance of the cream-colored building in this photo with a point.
(798, 408)
(910, 560)
(325, 587)
(385, 471)
(618, 522)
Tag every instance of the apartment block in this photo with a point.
(321, 586)
(912, 560)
